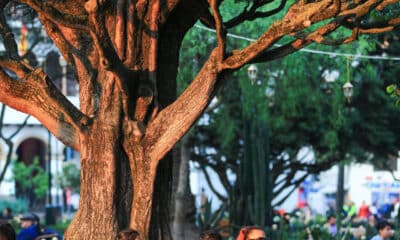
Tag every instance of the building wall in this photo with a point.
(7, 187)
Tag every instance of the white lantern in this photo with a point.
(348, 91)
(252, 72)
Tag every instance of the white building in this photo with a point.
(33, 140)
(362, 182)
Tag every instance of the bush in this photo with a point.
(61, 226)
(17, 205)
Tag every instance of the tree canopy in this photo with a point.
(300, 108)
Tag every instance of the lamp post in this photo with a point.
(49, 169)
(252, 73)
(63, 64)
(256, 149)
(347, 89)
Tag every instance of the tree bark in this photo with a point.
(183, 175)
(100, 158)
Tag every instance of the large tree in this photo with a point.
(304, 113)
(125, 56)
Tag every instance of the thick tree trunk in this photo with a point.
(159, 224)
(101, 160)
(178, 229)
(143, 185)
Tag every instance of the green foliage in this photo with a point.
(194, 51)
(16, 205)
(31, 177)
(69, 177)
(207, 219)
(394, 92)
(60, 227)
(304, 111)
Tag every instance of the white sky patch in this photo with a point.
(330, 76)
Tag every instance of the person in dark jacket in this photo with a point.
(29, 229)
(7, 214)
(7, 232)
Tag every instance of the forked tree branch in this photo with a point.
(298, 17)
(220, 29)
(60, 17)
(297, 44)
(374, 27)
(109, 59)
(148, 94)
(294, 186)
(210, 184)
(176, 119)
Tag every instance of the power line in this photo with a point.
(355, 56)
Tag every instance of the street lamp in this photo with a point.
(63, 64)
(348, 91)
(348, 87)
(252, 73)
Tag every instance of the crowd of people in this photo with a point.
(31, 229)
(245, 233)
(375, 222)
(381, 221)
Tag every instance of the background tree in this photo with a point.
(125, 55)
(32, 180)
(300, 115)
(69, 177)
(8, 140)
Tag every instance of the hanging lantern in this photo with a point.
(348, 91)
(348, 87)
(252, 72)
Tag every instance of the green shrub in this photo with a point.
(17, 205)
(31, 176)
(61, 226)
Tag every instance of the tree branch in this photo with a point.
(36, 95)
(8, 140)
(220, 30)
(294, 186)
(166, 9)
(109, 59)
(176, 119)
(8, 37)
(361, 9)
(209, 182)
(375, 27)
(298, 17)
(297, 44)
(252, 14)
(149, 94)
(63, 18)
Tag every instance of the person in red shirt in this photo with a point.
(363, 211)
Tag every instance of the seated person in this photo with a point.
(385, 231)
(251, 233)
(6, 231)
(210, 235)
(29, 229)
(7, 214)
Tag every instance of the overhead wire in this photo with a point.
(313, 51)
